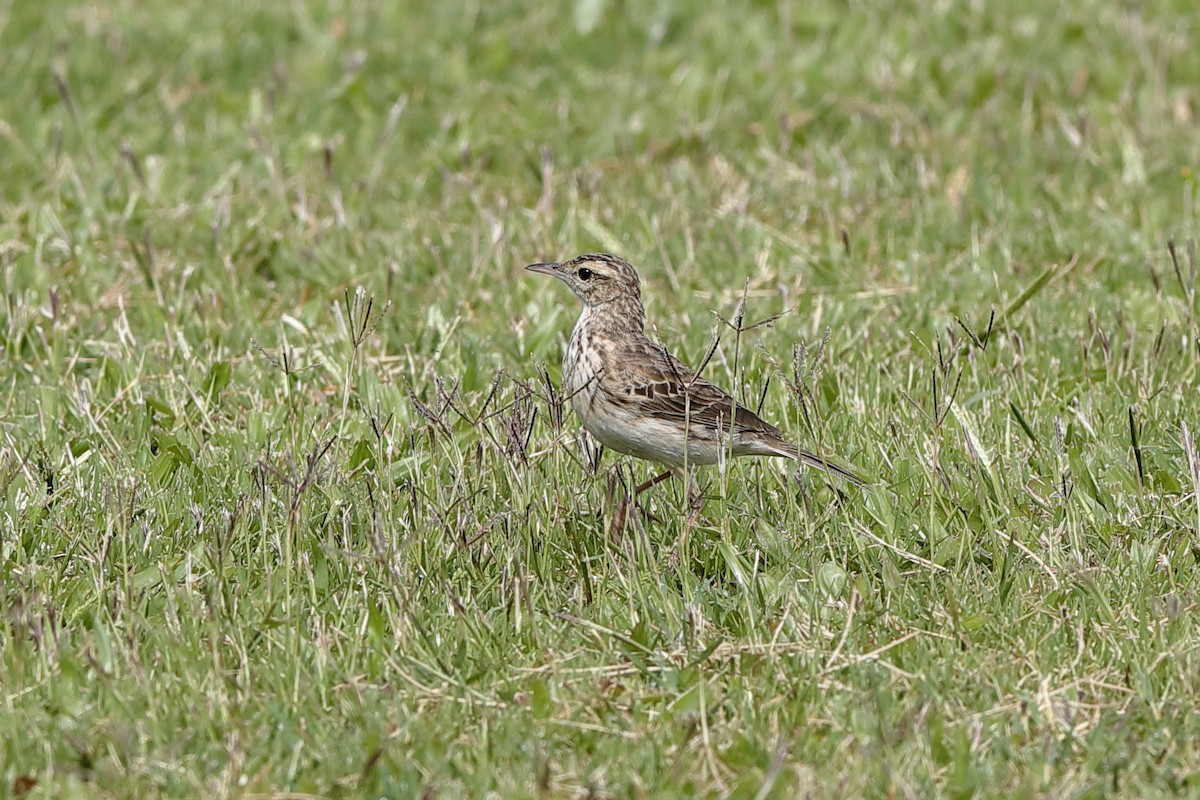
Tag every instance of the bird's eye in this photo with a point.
(586, 274)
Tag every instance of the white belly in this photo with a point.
(644, 437)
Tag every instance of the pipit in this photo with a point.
(636, 398)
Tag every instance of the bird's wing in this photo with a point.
(653, 381)
(660, 385)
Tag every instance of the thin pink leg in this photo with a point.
(623, 506)
(655, 481)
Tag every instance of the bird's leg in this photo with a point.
(623, 506)
(619, 518)
(697, 504)
(655, 481)
(695, 501)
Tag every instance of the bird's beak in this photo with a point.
(545, 269)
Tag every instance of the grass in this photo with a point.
(290, 508)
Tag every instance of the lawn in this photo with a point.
(290, 505)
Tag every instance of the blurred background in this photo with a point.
(276, 151)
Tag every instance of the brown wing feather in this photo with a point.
(664, 386)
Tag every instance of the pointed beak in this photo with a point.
(545, 269)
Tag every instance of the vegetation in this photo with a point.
(289, 505)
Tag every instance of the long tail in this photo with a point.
(775, 445)
(815, 460)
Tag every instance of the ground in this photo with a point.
(289, 504)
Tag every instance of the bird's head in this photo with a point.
(598, 279)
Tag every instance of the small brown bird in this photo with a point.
(635, 397)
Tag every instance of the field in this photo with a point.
(290, 506)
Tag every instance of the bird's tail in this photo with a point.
(775, 445)
(812, 459)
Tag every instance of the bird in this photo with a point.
(635, 397)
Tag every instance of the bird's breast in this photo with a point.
(583, 367)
